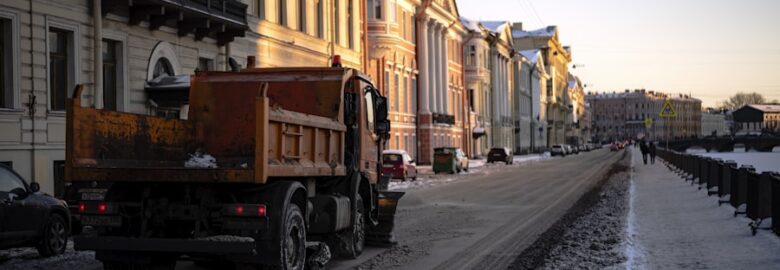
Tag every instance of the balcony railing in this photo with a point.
(439, 118)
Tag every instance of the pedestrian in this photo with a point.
(652, 153)
(643, 149)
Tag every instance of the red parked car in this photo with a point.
(398, 165)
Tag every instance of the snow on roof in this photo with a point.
(532, 55)
(469, 24)
(394, 152)
(548, 31)
(766, 107)
(494, 26)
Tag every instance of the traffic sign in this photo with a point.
(648, 122)
(667, 110)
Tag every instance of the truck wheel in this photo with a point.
(55, 237)
(293, 244)
(356, 238)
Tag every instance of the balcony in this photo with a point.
(222, 20)
(439, 118)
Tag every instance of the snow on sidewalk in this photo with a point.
(677, 226)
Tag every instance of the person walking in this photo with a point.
(643, 149)
(651, 149)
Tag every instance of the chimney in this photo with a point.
(517, 26)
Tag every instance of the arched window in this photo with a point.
(163, 67)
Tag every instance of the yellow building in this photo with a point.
(392, 63)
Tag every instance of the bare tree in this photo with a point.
(741, 99)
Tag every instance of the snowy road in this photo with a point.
(485, 221)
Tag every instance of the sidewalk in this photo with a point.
(673, 225)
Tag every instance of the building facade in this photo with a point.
(535, 75)
(500, 60)
(477, 75)
(622, 116)
(578, 128)
(525, 73)
(713, 123)
(556, 58)
(757, 118)
(441, 115)
(49, 47)
(392, 58)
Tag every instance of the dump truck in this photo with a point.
(276, 167)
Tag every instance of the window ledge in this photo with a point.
(56, 113)
(11, 111)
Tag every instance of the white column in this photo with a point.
(436, 67)
(423, 91)
(445, 73)
(439, 60)
(432, 68)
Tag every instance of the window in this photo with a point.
(163, 68)
(261, 9)
(60, 61)
(403, 25)
(397, 142)
(472, 55)
(370, 9)
(387, 84)
(369, 110)
(414, 94)
(6, 65)
(471, 99)
(412, 25)
(320, 23)
(282, 12)
(205, 64)
(407, 90)
(111, 73)
(337, 20)
(397, 94)
(9, 181)
(391, 10)
(59, 178)
(302, 15)
(350, 25)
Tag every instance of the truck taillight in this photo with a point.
(244, 210)
(102, 208)
(82, 207)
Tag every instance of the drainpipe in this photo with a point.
(32, 102)
(97, 64)
(332, 30)
(531, 113)
(227, 57)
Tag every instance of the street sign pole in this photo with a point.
(668, 112)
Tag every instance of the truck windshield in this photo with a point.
(369, 97)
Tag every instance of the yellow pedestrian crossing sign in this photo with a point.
(648, 122)
(667, 110)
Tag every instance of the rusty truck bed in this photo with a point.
(258, 124)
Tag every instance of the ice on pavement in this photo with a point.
(678, 226)
(475, 165)
(29, 259)
(227, 238)
(201, 160)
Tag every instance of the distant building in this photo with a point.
(618, 116)
(714, 124)
(757, 118)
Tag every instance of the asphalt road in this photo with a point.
(487, 219)
(481, 220)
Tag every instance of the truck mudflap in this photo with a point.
(180, 246)
(381, 234)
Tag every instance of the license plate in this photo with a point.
(93, 194)
(112, 221)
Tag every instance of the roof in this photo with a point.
(494, 26)
(470, 25)
(532, 55)
(765, 107)
(548, 31)
(394, 152)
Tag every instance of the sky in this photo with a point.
(710, 49)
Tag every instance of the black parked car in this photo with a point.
(500, 155)
(29, 218)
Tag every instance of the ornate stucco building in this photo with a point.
(476, 49)
(556, 58)
(392, 62)
(500, 58)
(534, 75)
(119, 51)
(441, 115)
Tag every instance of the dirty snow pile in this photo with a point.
(201, 161)
(227, 238)
(433, 180)
(28, 259)
(594, 241)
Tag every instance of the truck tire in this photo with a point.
(54, 238)
(293, 240)
(357, 236)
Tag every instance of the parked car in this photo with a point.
(614, 146)
(398, 165)
(558, 150)
(29, 218)
(500, 154)
(449, 159)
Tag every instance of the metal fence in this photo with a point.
(755, 195)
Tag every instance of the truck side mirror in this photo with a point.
(381, 109)
(383, 127)
(35, 187)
